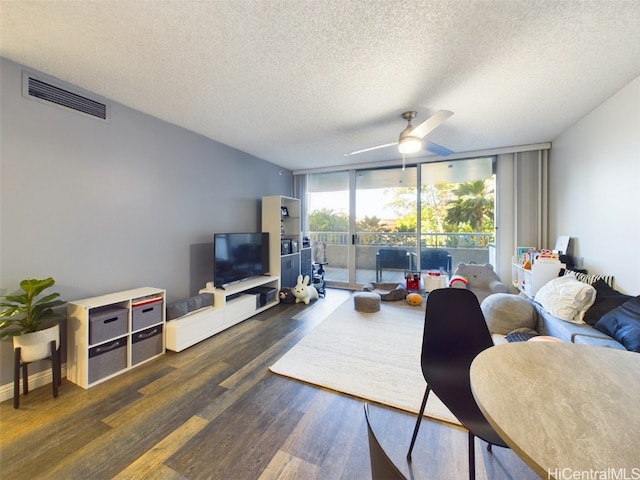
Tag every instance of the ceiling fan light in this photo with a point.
(409, 144)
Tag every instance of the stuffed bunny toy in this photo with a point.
(303, 291)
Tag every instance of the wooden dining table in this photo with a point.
(569, 411)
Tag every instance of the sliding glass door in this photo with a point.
(385, 224)
(364, 223)
(457, 213)
(328, 213)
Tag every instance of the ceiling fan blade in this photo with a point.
(371, 148)
(437, 149)
(430, 123)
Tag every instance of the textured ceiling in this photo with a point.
(300, 83)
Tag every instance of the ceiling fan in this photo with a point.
(410, 140)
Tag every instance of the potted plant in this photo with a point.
(30, 320)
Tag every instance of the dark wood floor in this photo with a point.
(215, 411)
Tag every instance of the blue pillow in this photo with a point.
(606, 300)
(623, 324)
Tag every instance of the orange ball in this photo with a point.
(414, 299)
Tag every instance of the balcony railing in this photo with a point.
(406, 239)
(333, 247)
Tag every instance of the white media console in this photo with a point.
(231, 305)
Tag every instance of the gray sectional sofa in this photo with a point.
(592, 315)
(584, 333)
(612, 320)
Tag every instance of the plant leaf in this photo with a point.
(10, 311)
(48, 298)
(34, 287)
(16, 298)
(24, 314)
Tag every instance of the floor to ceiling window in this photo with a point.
(328, 213)
(364, 223)
(385, 223)
(457, 211)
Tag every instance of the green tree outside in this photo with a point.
(454, 208)
(371, 224)
(472, 209)
(326, 220)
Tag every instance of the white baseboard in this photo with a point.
(36, 380)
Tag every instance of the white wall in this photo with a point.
(595, 188)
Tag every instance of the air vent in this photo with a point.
(46, 92)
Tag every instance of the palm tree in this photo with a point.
(473, 206)
(371, 224)
(326, 220)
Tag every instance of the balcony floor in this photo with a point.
(341, 275)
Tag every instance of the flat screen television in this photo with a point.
(238, 256)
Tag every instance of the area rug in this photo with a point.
(373, 356)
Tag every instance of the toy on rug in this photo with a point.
(389, 292)
(481, 279)
(434, 280)
(458, 281)
(303, 291)
(414, 299)
(286, 296)
(413, 281)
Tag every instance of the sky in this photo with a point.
(371, 202)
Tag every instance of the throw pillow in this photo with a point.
(606, 300)
(590, 279)
(623, 324)
(566, 298)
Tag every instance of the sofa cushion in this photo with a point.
(566, 298)
(604, 341)
(606, 300)
(569, 331)
(623, 324)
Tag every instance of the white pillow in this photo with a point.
(567, 298)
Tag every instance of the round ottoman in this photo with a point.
(368, 302)
(505, 312)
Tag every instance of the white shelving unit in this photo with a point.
(110, 334)
(230, 306)
(283, 227)
(529, 281)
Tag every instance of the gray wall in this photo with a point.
(594, 188)
(104, 207)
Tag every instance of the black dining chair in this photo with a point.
(455, 332)
(382, 468)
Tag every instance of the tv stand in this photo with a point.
(231, 305)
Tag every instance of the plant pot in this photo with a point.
(37, 345)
